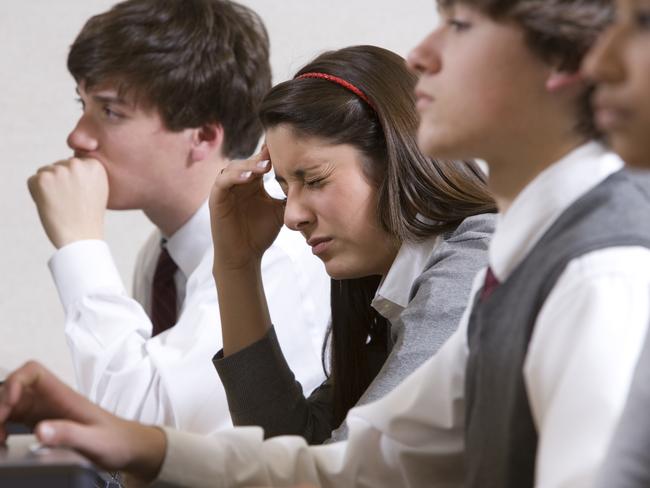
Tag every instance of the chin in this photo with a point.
(425, 141)
(114, 204)
(434, 146)
(339, 272)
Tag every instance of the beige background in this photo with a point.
(37, 109)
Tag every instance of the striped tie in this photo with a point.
(163, 294)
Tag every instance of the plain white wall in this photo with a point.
(38, 108)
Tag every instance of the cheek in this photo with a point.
(357, 215)
(634, 144)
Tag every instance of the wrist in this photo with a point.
(223, 268)
(149, 447)
(60, 240)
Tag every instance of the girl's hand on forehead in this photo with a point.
(245, 219)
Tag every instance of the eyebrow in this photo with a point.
(299, 173)
(116, 99)
(110, 99)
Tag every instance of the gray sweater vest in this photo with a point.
(501, 438)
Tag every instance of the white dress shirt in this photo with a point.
(577, 372)
(169, 379)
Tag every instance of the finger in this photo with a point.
(14, 385)
(89, 440)
(5, 408)
(246, 175)
(246, 169)
(87, 162)
(32, 393)
(264, 152)
(11, 393)
(50, 168)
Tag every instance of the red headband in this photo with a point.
(339, 81)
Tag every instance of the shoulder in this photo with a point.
(628, 264)
(458, 256)
(466, 246)
(480, 226)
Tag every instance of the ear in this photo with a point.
(561, 80)
(206, 140)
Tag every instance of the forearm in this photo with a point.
(262, 390)
(149, 446)
(244, 312)
(412, 437)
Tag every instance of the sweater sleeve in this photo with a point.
(262, 390)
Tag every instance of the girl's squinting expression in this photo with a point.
(332, 203)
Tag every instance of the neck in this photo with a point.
(170, 218)
(511, 173)
(182, 201)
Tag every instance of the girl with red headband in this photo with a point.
(401, 236)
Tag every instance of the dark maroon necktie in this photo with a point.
(163, 294)
(489, 285)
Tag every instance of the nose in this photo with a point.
(425, 57)
(81, 139)
(297, 214)
(604, 63)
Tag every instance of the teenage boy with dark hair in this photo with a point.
(528, 390)
(620, 64)
(169, 91)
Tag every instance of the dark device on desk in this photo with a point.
(22, 465)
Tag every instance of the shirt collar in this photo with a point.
(543, 200)
(394, 291)
(188, 244)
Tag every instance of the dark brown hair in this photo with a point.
(560, 32)
(417, 197)
(195, 61)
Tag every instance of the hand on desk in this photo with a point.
(71, 197)
(33, 395)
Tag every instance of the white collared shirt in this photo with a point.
(577, 373)
(393, 294)
(169, 379)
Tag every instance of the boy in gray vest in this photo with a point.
(620, 64)
(529, 389)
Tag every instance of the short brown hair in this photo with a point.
(195, 61)
(558, 31)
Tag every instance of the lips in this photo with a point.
(319, 244)
(423, 99)
(609, 115)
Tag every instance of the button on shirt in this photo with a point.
(169, 379)
(579, 365)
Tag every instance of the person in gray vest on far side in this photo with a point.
(620, 66)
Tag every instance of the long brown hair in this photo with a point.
(417, 197)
